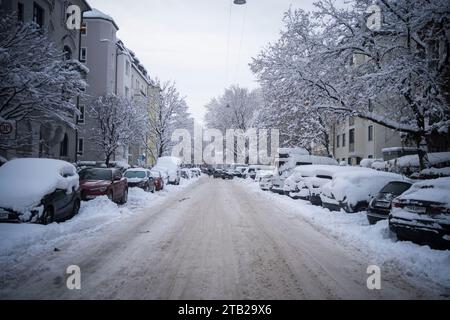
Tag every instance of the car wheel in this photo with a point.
(124, 197)
(48, 216)
(76, 208)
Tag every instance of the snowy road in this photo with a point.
(212, 240)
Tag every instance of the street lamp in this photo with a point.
(239, 2)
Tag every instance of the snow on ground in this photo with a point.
(94, 215)
(375, 241)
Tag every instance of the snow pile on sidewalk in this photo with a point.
(94, 215)
(374, 241)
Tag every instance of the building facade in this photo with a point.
(114, 69)
(45, 139)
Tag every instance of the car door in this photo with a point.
(118, 181)
(61, 204)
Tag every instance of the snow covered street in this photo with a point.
(215, 239)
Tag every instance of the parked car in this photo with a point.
(217, 173)
(109, 182)
(227, 175)
(294, 185)
(352, 189)
(262, 173)
(422, 213)
(140, 178)
(38, 190)
(240, 171)
(380, 206)
(158, 179)
(265, 182)
(172, 166)
(186, 174)
(196, 172)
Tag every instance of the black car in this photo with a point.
(227, 175)
(380, 206)
(217, 173)
(422, 214)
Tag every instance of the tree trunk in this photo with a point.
(422, 151)
(107, 159)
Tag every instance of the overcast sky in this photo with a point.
(187, 40)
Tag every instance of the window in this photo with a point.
(80, 118)
(83, 29)
(343, 139)
(64, 147)
(83, 55)
(38, 15)
(351, 140)
(67, 53)
(20, 12)
(370, 156)
(370, 133)
(338, 141)
(80, 146)
(127, 68)
(351, 121)
(351, 136)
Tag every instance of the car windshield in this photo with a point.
(396, 187)
(135, 174)
(95, 174)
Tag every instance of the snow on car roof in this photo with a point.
(434, 190)
(24, 182)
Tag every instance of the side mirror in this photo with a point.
(117, 178)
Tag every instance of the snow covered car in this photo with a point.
(95, 182)
(227, 175)
(140, 178)
(380, 206)
(422, 214)
(265, 182)
(294, 185)
(186, 174)
(353, 189)
(158, 178)
(262, 173)
(195, 172)
(38, 190)
(172, 166)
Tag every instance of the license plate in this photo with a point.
(383, 204)
(416, 209)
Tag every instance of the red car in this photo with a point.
(109, 182)
(159, 181)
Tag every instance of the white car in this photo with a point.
(172, 166)
(353, 189)
(265, 182)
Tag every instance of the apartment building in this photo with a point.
(114, 69)
(50, 140)
(355, 139)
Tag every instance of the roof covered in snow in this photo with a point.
(97, 14)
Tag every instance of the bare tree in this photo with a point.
(118, 122)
